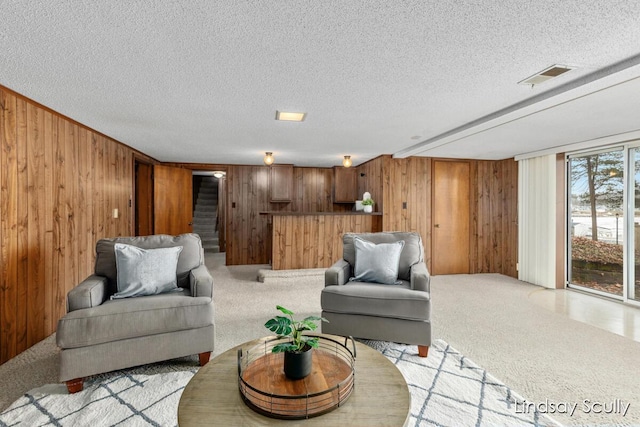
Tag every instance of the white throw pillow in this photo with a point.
(377, 263)
(145, 271)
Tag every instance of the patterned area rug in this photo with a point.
(447, 389)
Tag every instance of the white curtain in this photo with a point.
(536, 220)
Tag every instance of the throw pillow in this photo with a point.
(145, 271)
(377, 263)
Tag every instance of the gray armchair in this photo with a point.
(99, 334)
(399, 312)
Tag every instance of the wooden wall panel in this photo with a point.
(23, 226)
(370, 178)
(59, 182)
(247, 230)
(8, 228)
(315, 241)
(407, 182)
(495, 213)
(248, 234)
(493, 207)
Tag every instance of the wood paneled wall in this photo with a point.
(312, 192)
(248, 233)
(493, 207)
(495, 218)
(59, 184)
(408, 181)
(370, 178)
(315, 241)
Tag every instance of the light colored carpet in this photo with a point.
(446, 389)
(489, 318)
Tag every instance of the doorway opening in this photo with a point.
(208, 209)
(143, 198)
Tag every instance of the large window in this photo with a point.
(604, 222)
(596, 223)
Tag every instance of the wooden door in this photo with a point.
(173, 200)
(143, 199)
(451, 214)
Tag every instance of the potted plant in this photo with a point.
(368, 205)
(297, 354)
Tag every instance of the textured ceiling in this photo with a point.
(200, 80)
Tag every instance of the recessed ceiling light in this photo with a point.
(289, 116)
(546, 74)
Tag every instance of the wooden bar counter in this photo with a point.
(314, 239)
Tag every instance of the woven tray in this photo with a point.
(265, 388)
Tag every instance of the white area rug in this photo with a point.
(446, 388)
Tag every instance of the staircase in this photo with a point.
(205, 214)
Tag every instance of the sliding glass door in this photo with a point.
(596, 222)
(634, 244)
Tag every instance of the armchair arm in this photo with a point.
(420, 278)
(201, 282)
(337, 274)
(91, 292)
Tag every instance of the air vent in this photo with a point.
(546, 74)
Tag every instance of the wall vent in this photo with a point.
(546, 74)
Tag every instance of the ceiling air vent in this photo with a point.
(546, 74)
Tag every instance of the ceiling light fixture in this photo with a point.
(289, 116)
(346, 162)
(268, 158)
(546, 74)
(218, 174)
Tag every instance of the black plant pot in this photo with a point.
(297, 364)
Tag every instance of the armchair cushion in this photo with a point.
(372, 299)
(377, 263)
(121, 319)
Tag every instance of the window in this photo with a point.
(596, 221)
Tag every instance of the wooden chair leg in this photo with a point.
(204, 357)
(423, 350)
(75, 385)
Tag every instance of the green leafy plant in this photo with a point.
(367, 202)
(289, 327)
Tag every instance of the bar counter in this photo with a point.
(314, 239)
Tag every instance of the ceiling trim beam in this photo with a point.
(602, 78)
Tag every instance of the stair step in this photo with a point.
(206, 202)
(205, 220)
(207, 237)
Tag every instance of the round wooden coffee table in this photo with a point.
(380, 398)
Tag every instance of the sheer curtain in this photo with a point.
(536, 220)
